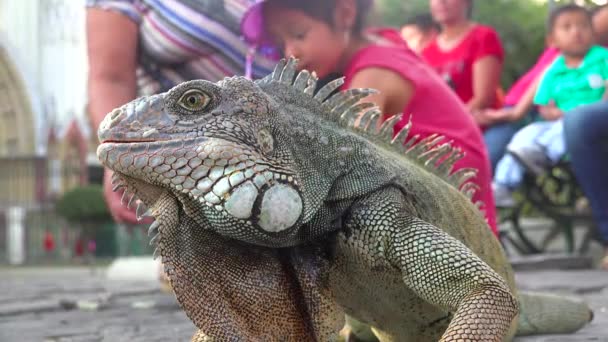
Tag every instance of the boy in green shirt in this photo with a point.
(577, 77)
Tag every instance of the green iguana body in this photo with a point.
(275, 216)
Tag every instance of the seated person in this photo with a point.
(577, 77)
(419, 31)
(467, 55)
(586, 133)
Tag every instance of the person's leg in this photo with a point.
(553, 142)
(509, 171)
(586, 135)
(496, 138)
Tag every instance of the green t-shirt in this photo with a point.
(571, 87)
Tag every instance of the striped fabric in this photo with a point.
(182, 40)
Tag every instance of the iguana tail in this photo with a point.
(551, 314)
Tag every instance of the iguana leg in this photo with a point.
(438, 268)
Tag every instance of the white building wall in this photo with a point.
(47, 39)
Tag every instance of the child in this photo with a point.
(577, 77)
(419, 31)
(327, 37)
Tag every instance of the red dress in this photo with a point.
(455, 66)
(434, 108)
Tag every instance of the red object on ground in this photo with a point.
(79, 248)
(49, 242)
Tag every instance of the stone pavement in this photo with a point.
(71, 304)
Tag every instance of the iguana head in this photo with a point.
(240, 155)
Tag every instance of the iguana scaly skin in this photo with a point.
(275, 216)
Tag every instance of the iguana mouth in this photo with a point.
(118, 141)
(138, 192)
(145, 195)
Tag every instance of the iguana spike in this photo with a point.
(347, 103)
(131, 201)
(462, 176)
(424, 145)
(400, 137)
(388, 126)
(436, 154)
(118, 186)
(447, 164)
(154, 240)
(312, 84)
(469, 189)
(123, 199)
(140, 211)
(372, 127)
(278, 70)
(367, 116)
(301, 80)
(153, 229)
(354, 93)
(356, 110)
(329, 88)
(289, 71)
(410, 143)
(264, 80)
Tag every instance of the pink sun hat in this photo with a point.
(255, 35)
(252, 25)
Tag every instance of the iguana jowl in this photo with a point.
(275, 216)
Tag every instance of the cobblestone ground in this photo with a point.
(50, 304)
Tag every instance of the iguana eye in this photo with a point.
(194, 100)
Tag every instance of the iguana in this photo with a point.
(275, 216)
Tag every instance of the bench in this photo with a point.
(557, 196)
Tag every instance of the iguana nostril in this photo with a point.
(115, 113)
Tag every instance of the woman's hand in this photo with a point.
(487, 117)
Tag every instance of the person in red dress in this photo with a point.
(467, 55)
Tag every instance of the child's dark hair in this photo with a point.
(569, 8)
(424, 22)
(324, 10)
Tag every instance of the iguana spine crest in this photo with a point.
(345, 107)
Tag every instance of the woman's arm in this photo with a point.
(521, 108)
(112, 51)
(486, 77)
(394, 92)
(525, 103)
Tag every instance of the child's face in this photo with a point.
(572, 33)
(315, 43)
